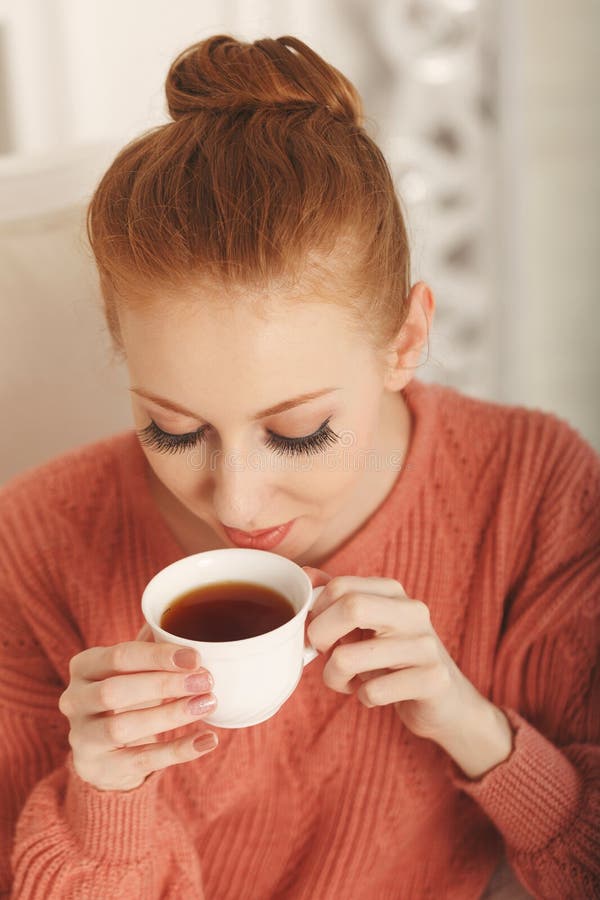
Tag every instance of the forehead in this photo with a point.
(246, 328)
(271, 351)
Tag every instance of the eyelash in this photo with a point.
(164, 442)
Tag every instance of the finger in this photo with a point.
(360, 679)
(151, 756)
(317, 576)
(150, 739)
(113, 731)
(97, 663)
(350, 660)
(343, 584)
(383, 615)
(416, 683)
(142, 690)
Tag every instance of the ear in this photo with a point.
(404, 352)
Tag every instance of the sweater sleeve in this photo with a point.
(545, 797)
(60, 836)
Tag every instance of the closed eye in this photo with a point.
(164, 442)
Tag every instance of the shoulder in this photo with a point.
(55, 519)
(520, 424)
(524, 448)
(66, 491)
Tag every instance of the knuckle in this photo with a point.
(352, 603)
(168, 687)
(74, 664)
(341, 658)
(169, 715)
(73, 739)
(424, 611)
(333, 589)
(429, 646)
(443, 676)
(162, 656)
(370, 694)
(65, 704)
(332, 586)
(328, 675)
(434, 681)
(119, 654)
(114, 730)
(141, 760)
(181, 751)
(107, 694)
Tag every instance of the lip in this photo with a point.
(264, 539)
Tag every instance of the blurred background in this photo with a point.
(488, 112)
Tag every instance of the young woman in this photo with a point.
(255, 275)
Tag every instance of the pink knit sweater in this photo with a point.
(494, 522)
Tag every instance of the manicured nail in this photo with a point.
(205, 742)
(198, 684)
(198, 706)
(186, 658)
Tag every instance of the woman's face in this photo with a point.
(246, 453)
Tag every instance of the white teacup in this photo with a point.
(252, 677)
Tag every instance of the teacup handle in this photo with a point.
(309, 653)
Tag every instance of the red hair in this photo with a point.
(265, 180)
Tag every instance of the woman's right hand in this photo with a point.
(120, 698)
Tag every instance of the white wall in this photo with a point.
(553, 360)
(82, 70)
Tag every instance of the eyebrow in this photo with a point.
(270, 411)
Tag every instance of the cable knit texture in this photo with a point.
(493, 521)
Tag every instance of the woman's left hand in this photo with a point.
(405, 663)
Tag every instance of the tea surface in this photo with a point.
(226, 611)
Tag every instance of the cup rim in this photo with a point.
(259, 639)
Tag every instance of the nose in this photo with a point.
(241, 491)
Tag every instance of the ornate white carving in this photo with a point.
(431, 106)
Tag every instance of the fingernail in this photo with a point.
(200, 705)
(196, 684)
(205, 742)
(185, 659)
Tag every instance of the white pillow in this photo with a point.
(59, 386)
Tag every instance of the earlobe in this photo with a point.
(399, 371)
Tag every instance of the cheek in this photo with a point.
(320, 482)
(176, 471)
(323, 481)
(327, 477)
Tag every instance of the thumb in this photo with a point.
(145, 633)
(317, 576)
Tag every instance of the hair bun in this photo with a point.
(222, 73)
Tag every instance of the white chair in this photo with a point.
(59, 386)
